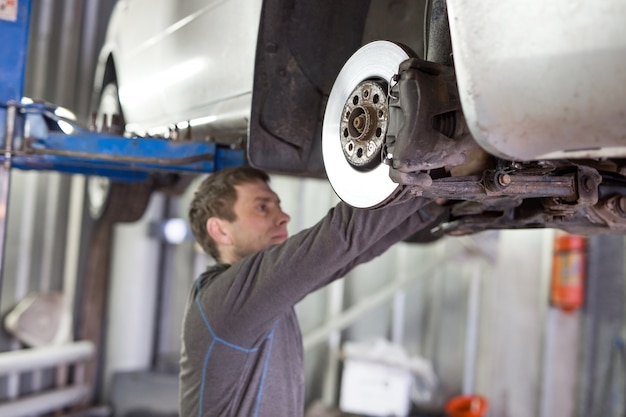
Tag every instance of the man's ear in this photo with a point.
(216, 228)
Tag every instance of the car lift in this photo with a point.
(35, 136)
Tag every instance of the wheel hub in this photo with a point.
(354, 128)
(364, 124)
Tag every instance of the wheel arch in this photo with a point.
(106, 72)
(301, 48)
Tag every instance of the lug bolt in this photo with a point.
(359, 123)
(589, 184)
(504, 180)
(371, 148)
(350, 148)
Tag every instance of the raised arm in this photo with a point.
(247, 297)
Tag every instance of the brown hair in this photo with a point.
(215, 197)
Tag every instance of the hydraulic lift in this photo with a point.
(38, 136)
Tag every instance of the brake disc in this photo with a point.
(355, 123)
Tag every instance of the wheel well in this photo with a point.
(301, 49)
(109, 71)
(109, 74)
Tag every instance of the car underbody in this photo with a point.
(394, 121)
(330, 99)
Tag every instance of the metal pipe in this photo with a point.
(550, 320)
(67, 66)
(545, 397)
(433, 301)
(40, 45)
(44, 357)
(70, 270)
(25, 241)
(72, 252)
(43, 403)
(331, 376)
(87, 57)
(24, 245)
(164, 256)
(184, 160)
(5, 180)
(399, 300)
(50, 235)
(472, 330)
(5, 191)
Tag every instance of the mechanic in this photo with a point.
(242, 349)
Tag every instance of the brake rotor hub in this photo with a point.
(364, 124)
(359, 178)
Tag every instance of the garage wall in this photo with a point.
(475, 307)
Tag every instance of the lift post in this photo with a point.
(40, 136)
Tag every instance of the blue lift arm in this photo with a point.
(34, 137)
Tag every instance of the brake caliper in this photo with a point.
(426, 128)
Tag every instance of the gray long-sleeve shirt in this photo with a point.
(241, 342)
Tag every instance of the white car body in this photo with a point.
(537, 79)
(542, 79)
(180, 61)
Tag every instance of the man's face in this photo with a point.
(260, 221)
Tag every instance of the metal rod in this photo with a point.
(399, 300)
(67, 76)
(43, 403)
(23, 246)
(72, 251)
(117, 158)
(44, 357)
(331, 376)
(548, 336)
(472, 330)
(5, 183)
(545, 396)
(42, 48)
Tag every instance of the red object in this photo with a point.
(567, 288)
(467, 406)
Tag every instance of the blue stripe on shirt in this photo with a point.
(217, 339)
